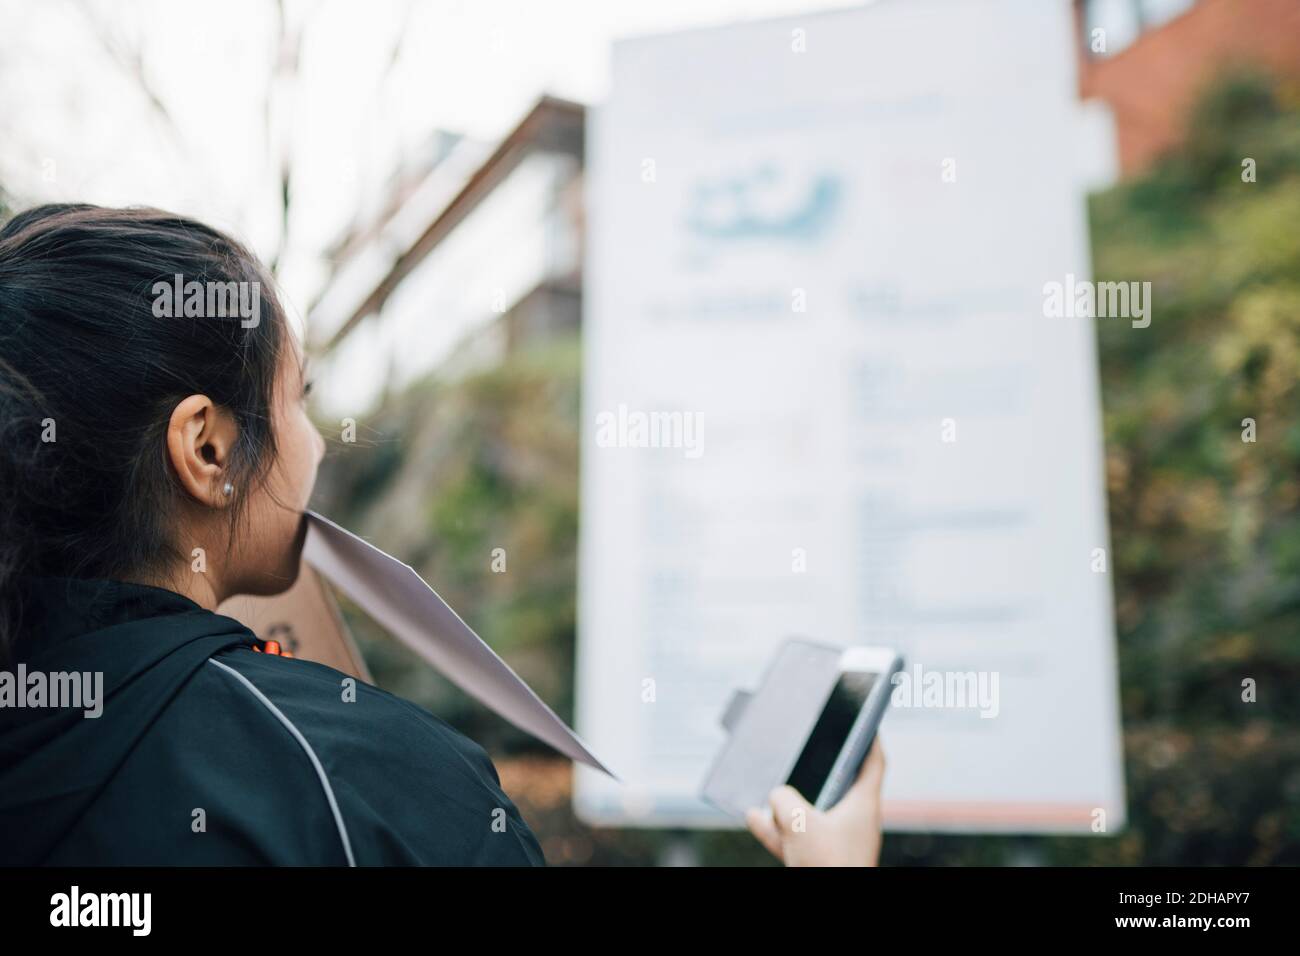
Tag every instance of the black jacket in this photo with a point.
(209, 753)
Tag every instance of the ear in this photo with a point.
(199, 439)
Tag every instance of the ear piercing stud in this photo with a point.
(228, 488)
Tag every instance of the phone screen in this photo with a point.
(830, 732)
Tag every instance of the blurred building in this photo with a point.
(1159, 54)
(474, 256)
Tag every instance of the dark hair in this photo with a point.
(83, 354)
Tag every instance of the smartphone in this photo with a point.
(810, 724)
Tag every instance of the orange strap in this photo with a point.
(273, 647)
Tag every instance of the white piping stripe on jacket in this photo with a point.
(311, 755)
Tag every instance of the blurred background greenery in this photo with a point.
(1205, 526)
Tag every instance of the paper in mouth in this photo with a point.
(397, 598)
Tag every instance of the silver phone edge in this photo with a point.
(849, 762)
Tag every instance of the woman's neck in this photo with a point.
(199, 587)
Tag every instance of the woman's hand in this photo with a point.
(848, 834)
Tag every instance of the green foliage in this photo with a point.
(1205, 525)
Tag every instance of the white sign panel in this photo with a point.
(824, 398)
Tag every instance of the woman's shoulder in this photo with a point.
(342, 711)
(407, 786)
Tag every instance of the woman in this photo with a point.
(155, 459)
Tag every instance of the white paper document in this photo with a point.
(398, 599)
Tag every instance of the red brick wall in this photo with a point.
(1150, 84)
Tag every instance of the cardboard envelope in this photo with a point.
(306, 620)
